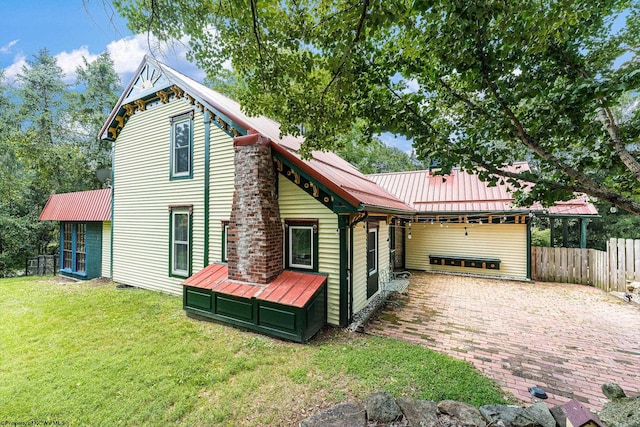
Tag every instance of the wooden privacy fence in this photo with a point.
(609, 270)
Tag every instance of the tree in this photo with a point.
(98, 88)
(474, 83)
(370, 155)
(42, 93)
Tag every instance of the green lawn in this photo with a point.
(90, 354)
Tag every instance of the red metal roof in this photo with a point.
(463, 192)
(94, 205)
(338, 175)
(289, 288)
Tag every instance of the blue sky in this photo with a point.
(72, 29)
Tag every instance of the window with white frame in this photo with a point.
(301, 244)
(182, 146)
(225, 241)
(180, 242)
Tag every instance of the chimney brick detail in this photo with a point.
(255, 235)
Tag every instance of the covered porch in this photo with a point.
(293, 306)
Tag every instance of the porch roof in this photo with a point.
(290, 288)
(460, 191)
(94, 205)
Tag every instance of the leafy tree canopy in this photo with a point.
(48, 144)
(474, 83)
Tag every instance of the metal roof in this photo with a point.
(328, 168)
(94, 205)
(460, 191)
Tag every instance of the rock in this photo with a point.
(381, 407)
(623, 412)
(534, 416)
(559, 415)
(468, 415)
(348, 414)
(419, 413)
(504, 413)
(613, 391)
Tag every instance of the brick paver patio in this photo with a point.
(567, 339)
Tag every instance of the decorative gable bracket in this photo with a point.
(311, 186)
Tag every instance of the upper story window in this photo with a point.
(301, 244)
(182, 146)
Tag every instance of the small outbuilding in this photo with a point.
(85, 232)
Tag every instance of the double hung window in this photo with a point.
(180, 242)
(182, 146)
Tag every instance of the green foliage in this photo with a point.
(617, 224)
(541, 237)
(48, 144)
(41, 91)
(376, 157)
(471, 83)
(370, 155)
(97, 93)
(76, 353)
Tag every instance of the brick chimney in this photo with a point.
(255, 230)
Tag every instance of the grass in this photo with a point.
(90, 354)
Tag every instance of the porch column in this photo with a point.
(583, 232)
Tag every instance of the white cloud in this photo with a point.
(127, 53)
(7, 47)
(412, 86)
(12, 70)
(69, 62)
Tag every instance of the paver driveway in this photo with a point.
(568, 339)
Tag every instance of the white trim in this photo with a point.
(290, 248)
(373, 271)
(175, 242)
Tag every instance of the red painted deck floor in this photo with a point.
(289, 288)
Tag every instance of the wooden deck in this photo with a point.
(293, 306)
(289, 288)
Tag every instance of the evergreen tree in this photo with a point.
(97, 91)
(42, 94)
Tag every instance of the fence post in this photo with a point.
(636, 270)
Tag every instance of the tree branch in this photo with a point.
(254, 17)
(464, 100)
(363, 15)
(605, 116)
(602, 193)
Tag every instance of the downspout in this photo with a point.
(207, 154)
(113, 161)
